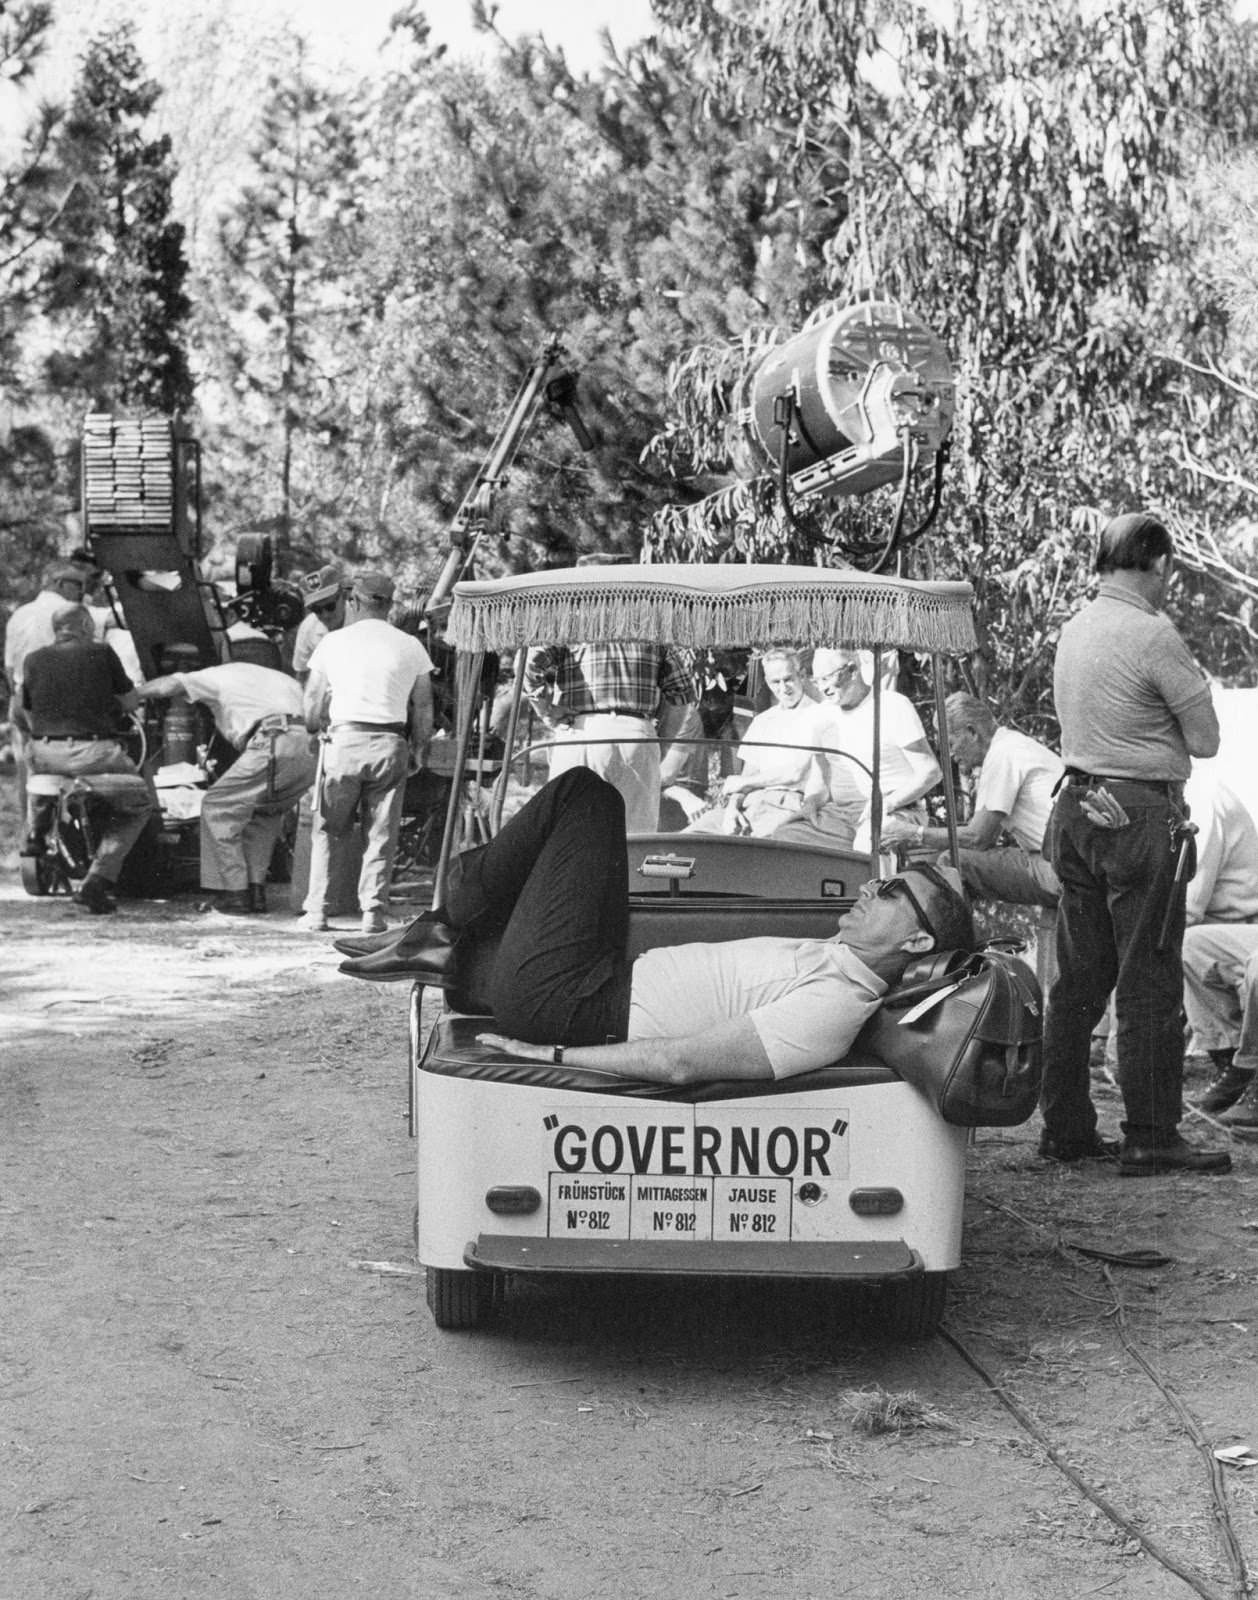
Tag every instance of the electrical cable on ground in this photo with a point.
(1241, 1584)
(1150, 1546)
(1235, 1555)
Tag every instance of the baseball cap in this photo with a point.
(322, 584)
(376, 584)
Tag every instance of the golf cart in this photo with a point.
(848, 1174)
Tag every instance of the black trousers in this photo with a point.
(1116, 885)
(554, 883)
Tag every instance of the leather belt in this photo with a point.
(616, 711)
(74, 738)
(399, 728)
(1162, 785)
(272, 724)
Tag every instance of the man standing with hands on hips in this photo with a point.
(1134, 708)
(369, 697)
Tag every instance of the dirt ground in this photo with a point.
(220, 1378)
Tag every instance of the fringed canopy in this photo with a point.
(698, 606)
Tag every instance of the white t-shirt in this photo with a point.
(240, 694)
(800, 725)
(806, 998)
(370, 668)
(1018, 777)
(852, 731)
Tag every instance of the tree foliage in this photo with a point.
(1016, 177)
(279, 320)
(114, 286)
(30, 192)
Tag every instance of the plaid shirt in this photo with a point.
(629, 678)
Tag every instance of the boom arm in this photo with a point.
(472, 517)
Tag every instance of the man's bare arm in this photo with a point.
(419, 712)
(1200, 727)
(980, 833)
(729, 1050)
(315, 701)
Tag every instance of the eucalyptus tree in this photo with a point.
(1017, 175)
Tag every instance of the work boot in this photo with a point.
(374, 922)
(1228, 1084)
(94, 895)
(1242, 1119)
(257, 898)
(234, 903)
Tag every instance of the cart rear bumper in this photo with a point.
(872, 1260)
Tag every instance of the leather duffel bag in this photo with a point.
(967, 1030)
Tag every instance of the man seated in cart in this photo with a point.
(907, 768)
(552, 887)
(781, 778)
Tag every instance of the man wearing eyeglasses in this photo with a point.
(553, 885)
(1016, 778)
(323, 595)
(907, 768)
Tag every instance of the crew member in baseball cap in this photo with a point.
(374, 586)
(368, 694)
(323, 595)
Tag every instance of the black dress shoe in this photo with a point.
(424, 954)
(366, 944)
(1175, 1155)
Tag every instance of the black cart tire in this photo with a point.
(39, 876)
(913, 1308)
(458, 1299)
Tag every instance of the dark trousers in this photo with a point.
(554, 883)
(1115, 887)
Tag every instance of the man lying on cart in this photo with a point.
(552, 888)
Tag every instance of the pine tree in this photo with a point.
(31, 192)
(278, 317)
(115, 290)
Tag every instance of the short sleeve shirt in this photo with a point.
(239, 694)
(852, 731)
(587, 678)
(768, 748)
(1122, 679)
(806, 998)
(1017, 778)
(370, 668)
(71, 691)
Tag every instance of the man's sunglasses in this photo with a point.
(325, 608)
(888, 888)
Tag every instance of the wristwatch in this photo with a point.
(557, 1055)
